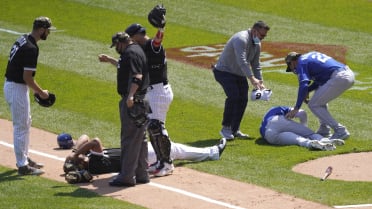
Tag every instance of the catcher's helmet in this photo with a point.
(263, 94)
(65, 141)
(134, 29)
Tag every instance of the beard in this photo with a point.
(43, 36)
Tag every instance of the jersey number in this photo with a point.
(18, 44)
(321, 57)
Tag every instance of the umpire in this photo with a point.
(132, 82)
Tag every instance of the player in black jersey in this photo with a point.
(159, 94)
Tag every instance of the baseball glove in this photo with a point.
(139, 112)
(45, 102)
(156, 16)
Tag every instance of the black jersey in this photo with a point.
(109, 162)
(156, 62)
(24, 54)
(132, 61)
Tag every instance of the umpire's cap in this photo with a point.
(134, 29)
(43, 22)
(119, 37)
(291, 57)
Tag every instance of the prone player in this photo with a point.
(90, 154)
(278, 130)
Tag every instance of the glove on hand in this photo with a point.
(139, 112)
(45, 102)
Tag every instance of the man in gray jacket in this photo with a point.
(239, 60)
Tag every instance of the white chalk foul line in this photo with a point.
(353, 206)
(194, 195)
(180, 191)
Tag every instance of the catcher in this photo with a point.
(89, 155)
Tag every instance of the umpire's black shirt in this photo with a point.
(132, 61)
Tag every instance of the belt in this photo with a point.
(343, 68)
(9, 80)
(164, 84)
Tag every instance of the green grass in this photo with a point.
(25, 192)
(86, 89)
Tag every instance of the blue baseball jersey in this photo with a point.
(317, 67)
(278, 110)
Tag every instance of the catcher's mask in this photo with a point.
(263, 94)
(65, 141)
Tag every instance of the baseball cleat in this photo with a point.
(239, 134)
(34, 164)
(324, 131)
(165, 169)
(221, 146)
(340, 134)
(317, 145)
(153, 167)
(28, 170)
(227, 133)
(336, 142)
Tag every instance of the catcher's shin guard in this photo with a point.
(160, 140)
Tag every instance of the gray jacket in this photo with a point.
(241, 56)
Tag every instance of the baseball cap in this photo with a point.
(290, 57)
(119, 37)
(43, 22)
(258, 94)
(134, 29)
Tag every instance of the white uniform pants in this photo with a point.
(184, 152)
(17, 96)
(160, 97)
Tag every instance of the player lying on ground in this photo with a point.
(277, 129)
(90, 154)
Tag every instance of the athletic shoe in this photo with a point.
(340, 133)
(221, 146)
(153, 167)
(324, 130)
(226, 133)
(34, 164)
(239, 134)
(317, 145)
(164, 170)
(336, 142)
(28, 170)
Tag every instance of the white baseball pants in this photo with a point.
(17, 97)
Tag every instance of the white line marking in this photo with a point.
(11, 31)
(36, 152)
(19, 33)
(353, 206)
(194, 195)
(180, 191)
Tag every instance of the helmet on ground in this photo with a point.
(65, 141)
(263, 94)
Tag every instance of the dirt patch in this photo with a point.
(185, 189)
(346, 167)
(272, 54)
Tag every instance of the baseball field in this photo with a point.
(87, 101)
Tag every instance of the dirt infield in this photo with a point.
(186, 188)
